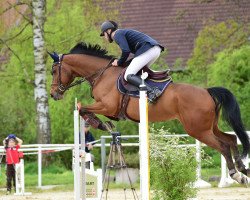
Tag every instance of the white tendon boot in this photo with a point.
(237, 177)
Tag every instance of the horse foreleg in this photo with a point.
(97, 108)
(87, 113)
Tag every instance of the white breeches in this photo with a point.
(147, 58)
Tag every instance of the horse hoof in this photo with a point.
(244, 181)
(248, 173)
(241, 179)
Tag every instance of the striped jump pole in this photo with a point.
(144, 142)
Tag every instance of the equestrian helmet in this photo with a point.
(108, 25)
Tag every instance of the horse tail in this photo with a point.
(231, 113)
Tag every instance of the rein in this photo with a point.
(89, 78)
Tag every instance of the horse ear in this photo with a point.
(54, 56)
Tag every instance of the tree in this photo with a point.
(37, 7)
(41, 97)
(231, 70)
(212, 39)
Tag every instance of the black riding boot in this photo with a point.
(153, 92)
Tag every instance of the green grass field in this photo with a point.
(65, 178)
(57, 174)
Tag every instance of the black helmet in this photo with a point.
(108, 25)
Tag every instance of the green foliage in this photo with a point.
(172, 168)
(221, 58)
(132, 160)
(210, 158)
(212, 39)
(231, 70)
(53, 168)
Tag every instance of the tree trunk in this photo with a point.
(41, 97)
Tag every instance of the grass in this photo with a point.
(208, 172)
(58, 175)
(31, 180)
(53, 175)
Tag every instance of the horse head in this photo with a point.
(62, 76)
(85, 61)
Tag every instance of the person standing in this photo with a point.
(89, 139)
(11, 144)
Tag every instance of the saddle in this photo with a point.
(156, 75)
(155, 79)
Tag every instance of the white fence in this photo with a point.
(39, 149)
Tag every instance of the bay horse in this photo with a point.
(196, 108)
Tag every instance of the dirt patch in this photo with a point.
(234, 193)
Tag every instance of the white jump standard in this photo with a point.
(20, 183)
(144, 142)
(84, 179)
(79, 191)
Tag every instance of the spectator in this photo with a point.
(11, 144)
(89, 138)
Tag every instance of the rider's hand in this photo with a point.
(90, 146)
(79, 106)
(114, 63)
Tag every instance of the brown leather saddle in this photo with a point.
(157, 76)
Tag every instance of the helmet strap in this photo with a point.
(109, 35)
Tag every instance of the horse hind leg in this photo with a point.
(232, 141)
(209, 138)
(238, 164)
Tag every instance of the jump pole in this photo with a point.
(144, 142)
(79, 175)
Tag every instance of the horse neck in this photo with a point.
(84, 65)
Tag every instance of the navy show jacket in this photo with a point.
(132, 41)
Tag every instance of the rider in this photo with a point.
(146, 50)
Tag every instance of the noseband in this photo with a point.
(91, 78)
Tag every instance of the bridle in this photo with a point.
(91, 78)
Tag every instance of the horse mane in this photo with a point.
(88, 49)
